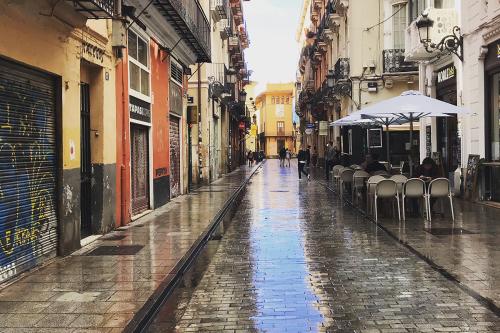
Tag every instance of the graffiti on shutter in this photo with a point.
(28, 220)
(175, 158)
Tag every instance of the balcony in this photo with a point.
(189, 21)
(95, 9)
(226, 29)
(341, 69)
(394, 62)
(219, 9)
(216, 75)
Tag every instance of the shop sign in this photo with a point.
(93, 52)
(253, 130)
(323, 128)
(428, 141)
(446, 73)
(241, 126)
(498, 51)
(309, 131)
(139, 110)
(310, 125)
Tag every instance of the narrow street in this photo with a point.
(295, 260)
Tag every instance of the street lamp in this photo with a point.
(243, 96)
(231, 76)
(451, 43)
(330, 78)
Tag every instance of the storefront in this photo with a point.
(490, 180)
(448, 141)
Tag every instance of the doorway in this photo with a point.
(85, 162)
(140, 168)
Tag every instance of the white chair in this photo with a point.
(345, 178)
(439, 188)
(356, 167)
(336, 175)
(386, 188)
(414, 188)
(358, 183)
(400, 180)
(370, 190)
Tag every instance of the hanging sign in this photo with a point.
(241, 126)
(323, 128)
(309, 131)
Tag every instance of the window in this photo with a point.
(282, 100)
(288, 100)
(399, 25)
(175, 88)
(416, 8)
(138, 51)
(272, 100)
(281, 128)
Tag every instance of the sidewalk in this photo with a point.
(466, 251)
(98, 289)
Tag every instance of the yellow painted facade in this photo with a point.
(58, 49)
(275, 123)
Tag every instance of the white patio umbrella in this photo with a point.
(411, 106)
(356, 118)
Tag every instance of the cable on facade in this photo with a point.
(387, 19)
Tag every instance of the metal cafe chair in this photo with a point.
(439, 188)
(336, 175)
(414, 188)
(345, 178)
(358, 183)
(400, 180)
(370, 191)
(386, 188)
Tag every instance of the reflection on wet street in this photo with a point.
(294, 259)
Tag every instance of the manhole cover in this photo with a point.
(119, 250)
(448, 231)
(113, 237)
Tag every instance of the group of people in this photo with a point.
(285, 156)
(252, 156)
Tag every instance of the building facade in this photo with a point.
(365, 56)
(58, 129)
(276, 118)
(215, 91)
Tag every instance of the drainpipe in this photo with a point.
(123, 183)
(200, 157)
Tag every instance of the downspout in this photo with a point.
(123, 183)
(200, 158)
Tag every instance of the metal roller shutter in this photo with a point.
(175, 158)
(28, 220)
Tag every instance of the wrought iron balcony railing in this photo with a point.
(394, 62)
(95, 9)
(220, 9)
(189, 21)
(341, 69)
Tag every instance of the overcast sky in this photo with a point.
(273, 52)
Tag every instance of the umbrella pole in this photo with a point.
(411, 145)
(387, 143)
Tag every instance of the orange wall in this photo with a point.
(160, 111)
(122, 143)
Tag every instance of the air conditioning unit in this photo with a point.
(444, 21)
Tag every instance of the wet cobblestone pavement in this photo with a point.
(295, 260)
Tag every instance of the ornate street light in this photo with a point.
(451, 43)
(243, 96)
(330, 78)
(231, 76)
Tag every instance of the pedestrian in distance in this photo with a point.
(288, 157)
(302, 159)
(308, 152)
(329, 158)
(250, 158)
(282, 155)
(314, 157)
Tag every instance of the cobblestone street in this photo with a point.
(295, 260)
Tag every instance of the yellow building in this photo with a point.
(275, 123)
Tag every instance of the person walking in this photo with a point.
(282, 155)
(329, 157)
(314, 157)
(288, 156)
(302, 159)
(250, 158)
